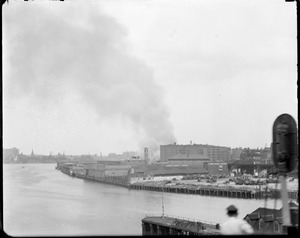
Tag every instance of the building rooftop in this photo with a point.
(182, 224)
(216, 146)
(268, 214)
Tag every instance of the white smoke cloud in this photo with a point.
(49, 49)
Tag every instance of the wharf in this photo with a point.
(107, 180)
(202, 190)
(171, 225)
(229, 192)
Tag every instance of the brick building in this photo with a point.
(196, 151)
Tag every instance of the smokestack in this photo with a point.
(146, 157)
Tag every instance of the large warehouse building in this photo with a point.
(194, 152)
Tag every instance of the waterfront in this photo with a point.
(41, 201)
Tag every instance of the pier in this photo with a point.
(215, 191)
(171, 225)
(121, 181)
(202, 190)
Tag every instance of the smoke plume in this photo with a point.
(49, 49)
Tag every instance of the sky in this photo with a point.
(91, 77)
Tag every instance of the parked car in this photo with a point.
(261, 182)
(271, 180)
(249, 182)
(212, 180)
(239, 182)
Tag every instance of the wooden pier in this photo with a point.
(108, 179)
(215, 191)
(230, 192)
(170, 225)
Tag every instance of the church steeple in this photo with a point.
(32, 154)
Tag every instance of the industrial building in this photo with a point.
(236, 153)
(215, 168)
(104, 170)
(10, 153)
(168, 169)
(194, 152)
(271, 220)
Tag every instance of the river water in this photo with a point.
(39, 200)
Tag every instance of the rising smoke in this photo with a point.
(50, 48)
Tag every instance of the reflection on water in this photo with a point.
(41, 201)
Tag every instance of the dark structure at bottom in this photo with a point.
(168, 225)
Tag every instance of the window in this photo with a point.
(261, 224)
(276, 226)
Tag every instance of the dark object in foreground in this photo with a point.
(168, 225)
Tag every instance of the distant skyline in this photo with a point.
(91, 77)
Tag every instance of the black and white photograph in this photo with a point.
(149, 117)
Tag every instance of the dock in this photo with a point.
(215, 191)
(202, 190)
(113, 180)
(171, 225)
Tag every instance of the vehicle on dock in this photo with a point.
(271, 180)
(260, 182)
(249, 182)
(211, 180)
(239, 182)
(221, 176)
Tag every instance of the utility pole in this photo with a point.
(163, 208)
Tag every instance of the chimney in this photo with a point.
(146, 157)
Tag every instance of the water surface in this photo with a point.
(39, 200)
